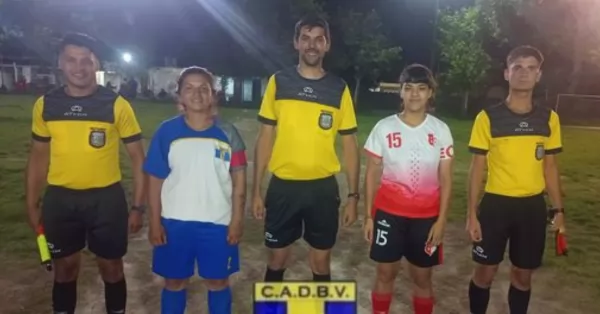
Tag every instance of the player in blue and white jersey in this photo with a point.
(197, 189)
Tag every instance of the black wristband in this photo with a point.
(354, 195)
(552, 212)
(139, 208)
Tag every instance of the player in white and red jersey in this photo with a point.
(408, 185)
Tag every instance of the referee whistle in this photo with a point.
(45, 258)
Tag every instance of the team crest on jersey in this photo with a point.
(431, 139)
(539, 151)
(222, 151)
(97, 138)
(326, 120)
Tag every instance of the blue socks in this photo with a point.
(219, 302)
(173, 302)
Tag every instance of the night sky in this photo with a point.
(183, 29)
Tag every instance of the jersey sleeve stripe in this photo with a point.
(348, 131)
(553, 151)
(267, 120)
(478, 151)
(131, 139)
(238, 160)
(40, 138)
(372, 153)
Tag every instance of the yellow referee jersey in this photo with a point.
(309, 114)
(84, 135)
(515, 145)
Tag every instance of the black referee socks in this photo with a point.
(274, 275)
(478, 298)
(115, 295)
(64, 297)
(321, 278)
(518, 300)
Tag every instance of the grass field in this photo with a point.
(580, 167)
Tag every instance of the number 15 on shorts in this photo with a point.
(381, 237)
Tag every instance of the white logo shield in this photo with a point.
(97, 138)
(325, 120)
(539, 152)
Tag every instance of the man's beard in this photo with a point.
(312, 62)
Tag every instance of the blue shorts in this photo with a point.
(191, 242)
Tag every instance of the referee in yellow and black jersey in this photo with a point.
(303, 110)
(75, 150)
(519, 141)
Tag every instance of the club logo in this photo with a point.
(307, 93)
(539, 151)
(222, 151)
(325, 120)
(75, 111)
(430, 249)
(383, 223)
(431, 139)
(478, 250)
(524, 127)
(97, 138)
(450, 151)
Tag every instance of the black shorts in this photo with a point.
(519, 221)
(96, 216)
(294, 208)
(395, 237)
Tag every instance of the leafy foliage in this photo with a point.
(461, 48)
(565, 30)
(367, 49)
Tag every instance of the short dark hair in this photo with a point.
(80, 40)
(195, 70)
(418, 73)
(311, 21)
(523, 52)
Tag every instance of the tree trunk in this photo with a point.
(357, 80)
(465, 106)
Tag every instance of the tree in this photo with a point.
(565, 28)
(36, 25)
(366, 48)
(462, 51)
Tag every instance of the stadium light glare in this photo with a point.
(127, 57)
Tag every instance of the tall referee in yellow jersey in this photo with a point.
(303, 110)
(518, 140)
(75, 150)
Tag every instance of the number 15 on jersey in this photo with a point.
(394, 140)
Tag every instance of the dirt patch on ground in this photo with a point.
(26, 287)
